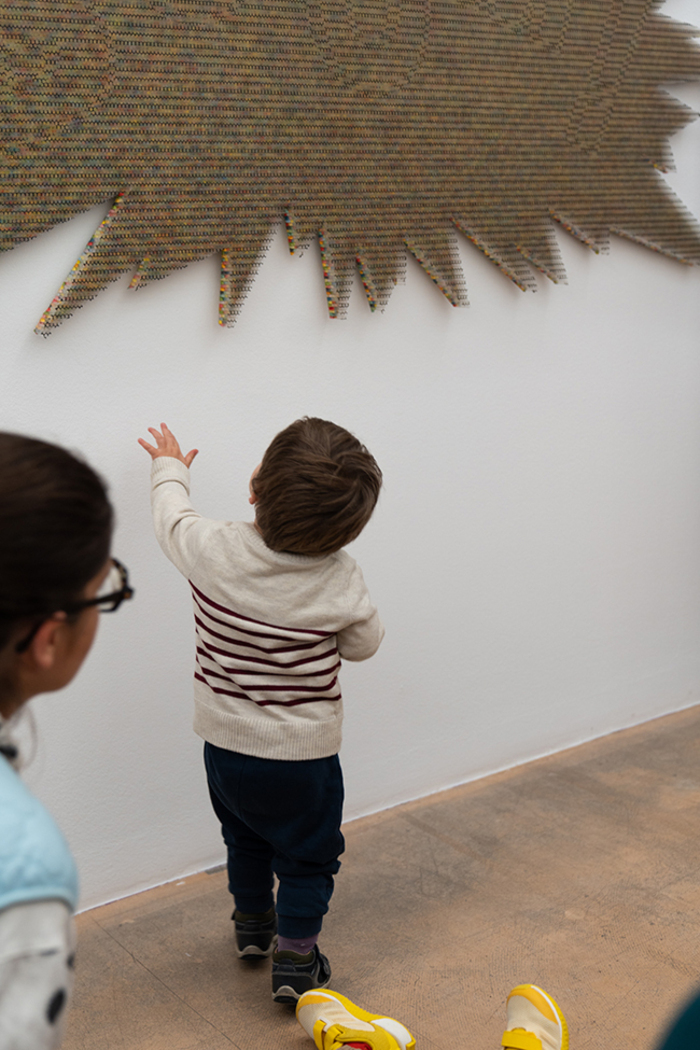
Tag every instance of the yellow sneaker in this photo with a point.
(333, 1021)
(535, 1022)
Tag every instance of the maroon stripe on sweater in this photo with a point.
(262, 623)
(266, 703)
(254, 634)
(259, 674)
(207, 650)
(217, 674)
(276, 664)
(295, 703)
(292, 688)
(261, 648)
(233, 674)
(233, 671)
(263, 687)
(224, 692)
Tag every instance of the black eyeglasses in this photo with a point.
(114, 590)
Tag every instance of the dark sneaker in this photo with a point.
(255, 934)
(294, 974)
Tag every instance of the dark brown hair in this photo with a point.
(55, 529)
(316, 488)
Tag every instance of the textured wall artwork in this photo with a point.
(370, 126)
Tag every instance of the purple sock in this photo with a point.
(300, 945)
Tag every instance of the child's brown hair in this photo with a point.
(316, 488)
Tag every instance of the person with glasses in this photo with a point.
(56, 576)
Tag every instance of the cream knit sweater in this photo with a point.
(270, 628)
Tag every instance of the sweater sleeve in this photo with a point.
(180, 530)
(361, 638)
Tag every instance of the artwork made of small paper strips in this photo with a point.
(374, 127)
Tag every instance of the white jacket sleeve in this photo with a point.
(37, 946)
(361, 638)
(180, 530)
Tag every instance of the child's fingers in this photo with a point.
(167, 433)
(169, 439)
(166, 445)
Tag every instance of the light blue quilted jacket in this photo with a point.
(35, 862)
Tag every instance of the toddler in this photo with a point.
(277, 603)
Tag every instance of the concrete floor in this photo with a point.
(578, 872)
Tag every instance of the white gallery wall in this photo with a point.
(535, 553)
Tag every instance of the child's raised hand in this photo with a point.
(166, 445)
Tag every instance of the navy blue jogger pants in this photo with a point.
(281, 817)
